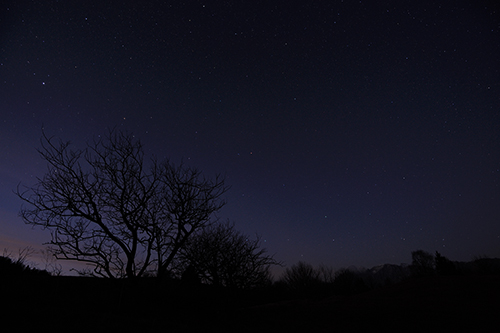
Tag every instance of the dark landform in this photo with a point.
(389, 300)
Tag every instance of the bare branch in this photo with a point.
(109, 207)
(225, 257)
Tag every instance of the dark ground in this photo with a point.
(431, 304)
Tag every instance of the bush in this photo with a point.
(422, 263)
(443, 265)
(301, 276)
(9, 268)
(222, 256)
(347, 282)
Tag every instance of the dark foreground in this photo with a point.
(432, 304)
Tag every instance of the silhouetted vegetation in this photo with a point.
(485, 265)
(448, 301)
(222, 256)
(301, 276)
(110, 207)
(130, 219)
(422, 263)
(348, 282)
(16, 268)
(425, 264)
(303, 280)
(443, 265)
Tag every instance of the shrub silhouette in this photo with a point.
(190, 277)
(222, 256)
(9, 268)
(301, 276)
(422, 263)
(443, 265)
(485, 265)
(347, 282)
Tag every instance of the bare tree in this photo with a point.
(422, 263)
(301, 276)
(223, 256)
(111, 208)
(186, 204)
(443, 265)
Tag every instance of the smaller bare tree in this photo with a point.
(301, 276)
(186, 204)
(223, 256)
(422, 263)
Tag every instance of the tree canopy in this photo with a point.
(111, 207)
(222, 256)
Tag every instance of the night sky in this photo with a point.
(350, 132)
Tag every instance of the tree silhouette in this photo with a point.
(110, 207)
(348, 282)
(444, 266)
(422, 263)
(222, 256)
(301, 276)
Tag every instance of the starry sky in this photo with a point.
(350, 132)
